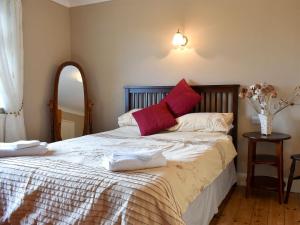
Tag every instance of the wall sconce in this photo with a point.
(179, 40)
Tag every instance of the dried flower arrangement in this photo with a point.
(262, 97)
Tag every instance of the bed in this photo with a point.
(67, 186)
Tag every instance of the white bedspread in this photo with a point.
(195, 159)
(204, 154)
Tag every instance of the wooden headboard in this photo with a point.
(215, 98)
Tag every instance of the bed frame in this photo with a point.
(215, 98)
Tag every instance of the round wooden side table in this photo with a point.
(276, 160)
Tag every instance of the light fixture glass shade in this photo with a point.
(179, 39)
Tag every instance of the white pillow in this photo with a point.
(127, 119)
(211, 122)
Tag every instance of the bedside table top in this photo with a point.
(257, 136)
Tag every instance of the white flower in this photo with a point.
(262, 98)
(252, 87)
(258, 91)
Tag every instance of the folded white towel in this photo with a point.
(31, 151)
(141, 155)
(120, 161)
(18, 145)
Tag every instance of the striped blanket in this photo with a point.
(56, 192)
(67, 186)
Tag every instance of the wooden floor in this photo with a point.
(260, 209)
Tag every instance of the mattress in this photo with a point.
(29, 186)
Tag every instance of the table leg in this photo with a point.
(290, 181)
(253, 164)
(279, 153)
(250, 171)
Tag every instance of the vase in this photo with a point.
(266, 123)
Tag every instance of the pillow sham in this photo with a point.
(127, 119)
(182, 99)
(154, 119)
(210, 122)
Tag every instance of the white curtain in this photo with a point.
(11, 68)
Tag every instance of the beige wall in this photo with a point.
(46, 30)
(125, 42)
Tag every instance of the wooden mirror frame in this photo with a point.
(53, 104)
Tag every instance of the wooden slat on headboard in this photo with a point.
(215, 98)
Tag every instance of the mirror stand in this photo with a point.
(71, 109)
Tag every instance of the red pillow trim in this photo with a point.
(182, 99)
(154, 119)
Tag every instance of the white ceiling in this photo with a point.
(73, 3)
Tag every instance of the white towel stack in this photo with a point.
(121, 161)
(23, 148)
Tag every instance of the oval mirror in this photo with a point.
(71, 107)
(70, 103)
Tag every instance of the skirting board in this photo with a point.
(241, 177)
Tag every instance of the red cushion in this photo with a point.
(153, 119)
(182, 99)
